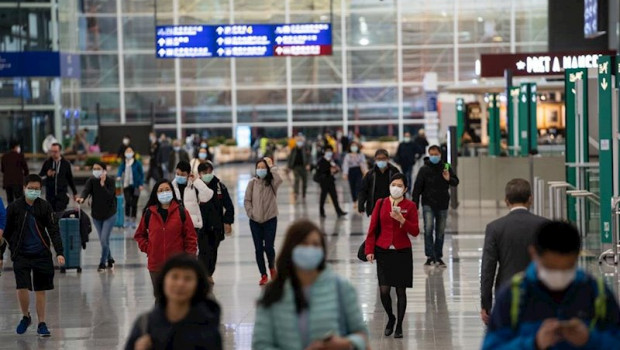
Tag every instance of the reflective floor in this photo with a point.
(96, 310)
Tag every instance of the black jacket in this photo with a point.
(60, 183)
(154, 154)
(433, 188)
(199, 330)
(14, 168)
(371, 191)
(103, 197)
(323, 171)
(183, 156)
(305, 154)
(219, 210)
(406, 155)
(45, 219)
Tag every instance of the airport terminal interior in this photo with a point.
(508, 89)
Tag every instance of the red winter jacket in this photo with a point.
(391, 231)
(163, 240)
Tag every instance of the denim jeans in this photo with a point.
(434, 220)
(264, 236)
(104, 229)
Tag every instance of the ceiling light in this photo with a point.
(364, 41)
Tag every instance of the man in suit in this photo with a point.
(506, 243)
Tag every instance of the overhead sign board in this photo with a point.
(39, 64)
(590, 19)
(243, 40)
(538, 63)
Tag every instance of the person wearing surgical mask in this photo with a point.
(166, 229)
(126, 142)
(201, 157)
(376, 183)
(326, 168)
(308, 306)
(554, 304)
(178, 154)
(155, 170)
(131, 175)
(354, 168)
(393, 220)
(299, 163)
(101, 188)
(261, 206)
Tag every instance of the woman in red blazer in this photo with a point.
(393, 219)
(168, 232)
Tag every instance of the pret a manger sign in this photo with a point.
(543, 63)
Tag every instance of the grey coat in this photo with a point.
(506, 243)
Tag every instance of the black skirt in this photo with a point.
(394, 267)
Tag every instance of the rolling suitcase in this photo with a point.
(71, 242)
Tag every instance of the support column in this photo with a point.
(121, 61)
(513, 121)
(177, 78)
(399, 63)
(233, 78)
(289, 79)
(344, 66)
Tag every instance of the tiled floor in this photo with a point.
(96, 310)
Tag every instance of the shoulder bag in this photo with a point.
(361, 252)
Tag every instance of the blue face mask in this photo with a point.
(207, 178)
(382, 164)
(435, 159)
(31, 195)
(307, 257)
(181, 180)
(262, 173)
(202, 156)
(164, 197)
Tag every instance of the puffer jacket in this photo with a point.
(260, 199)
(195, 193)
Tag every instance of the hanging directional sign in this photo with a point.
(246, 40)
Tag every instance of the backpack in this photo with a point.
(518, 291)
(147, 216)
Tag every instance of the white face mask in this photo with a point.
(396, 192)
(556, 280)
(18, 149)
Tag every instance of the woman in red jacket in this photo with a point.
(164, 230)
(393, 219)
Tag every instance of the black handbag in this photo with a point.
(361, 252)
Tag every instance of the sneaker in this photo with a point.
(263, 280)
(23, 325)
(111, 263)
(101, 268)
(440, 263)
(273, 274)
(42, 330)
(429, 262)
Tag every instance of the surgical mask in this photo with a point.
(207, 178)
(354, 149)
(177, 148)
(126, 142)
(556, 280)
(382, 164)
(262, 173)
(18, 149)
(202, 156)
(128, 155)
(407, 139)
(32, 194)
(307, 258)
(435, 159)
(181, 180)
(164, 197)
(203, 145)
(396, 192)
(328, 155)
(97, 173)
(300, 143)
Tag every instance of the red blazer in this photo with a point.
(163, 240)
(391, 232)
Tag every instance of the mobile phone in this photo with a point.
(328, 336)
(396, 209)
(446, 167)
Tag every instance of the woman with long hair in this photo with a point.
(261, 207)
(131, 174)
(393, 220)
(183, 317)
(354, 168)
(166, 228)
(308, 306)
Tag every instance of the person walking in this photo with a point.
(58, 176)
(308, 306)
(165, 151)
(506, 243)
(326, 168)
(178, 154)
(3, 242)
(202, 157)
(155, 170)
(122, 148)
(393, 220)
(14, 169)
(376, 183)
(433, 185)
(101, 188)
(131, 174)
(165, 229)
(183, 317)
(554, 304)
(261, 206)
(354, 168)
(406, 156)
(218, 217)
(299, 163)
(31, 229)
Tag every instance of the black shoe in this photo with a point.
(342, 214)
(111, 263)
(323, 216)
(441, 264)
(399, 332)
(389, 329)
(101, 268)
(429, 262)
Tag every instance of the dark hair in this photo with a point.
(32, 178)
(269, 178)
(205, 166)
(184, 166)
(184, 262)
(14, 144)
(101, 164)
(434, 147)
(558, 237)
(518, 191)
(127, 136)
(153, 197)
(56, 144)
(296, 233)
(382, 151)
(328, 147)
(400, 176)
(356, 144)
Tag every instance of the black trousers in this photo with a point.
(208, 245)
(131, 202)
(329, 187)
(14, 192)
(154, 173)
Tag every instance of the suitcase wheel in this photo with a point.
(63, 270)
(79, 270)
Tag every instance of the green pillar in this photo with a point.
(494, 132)
(528, 132)
(533, 120)
(460, 120)
(606, 155)
(513, 120)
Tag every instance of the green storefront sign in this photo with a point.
(528, 127)
(460, 120)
